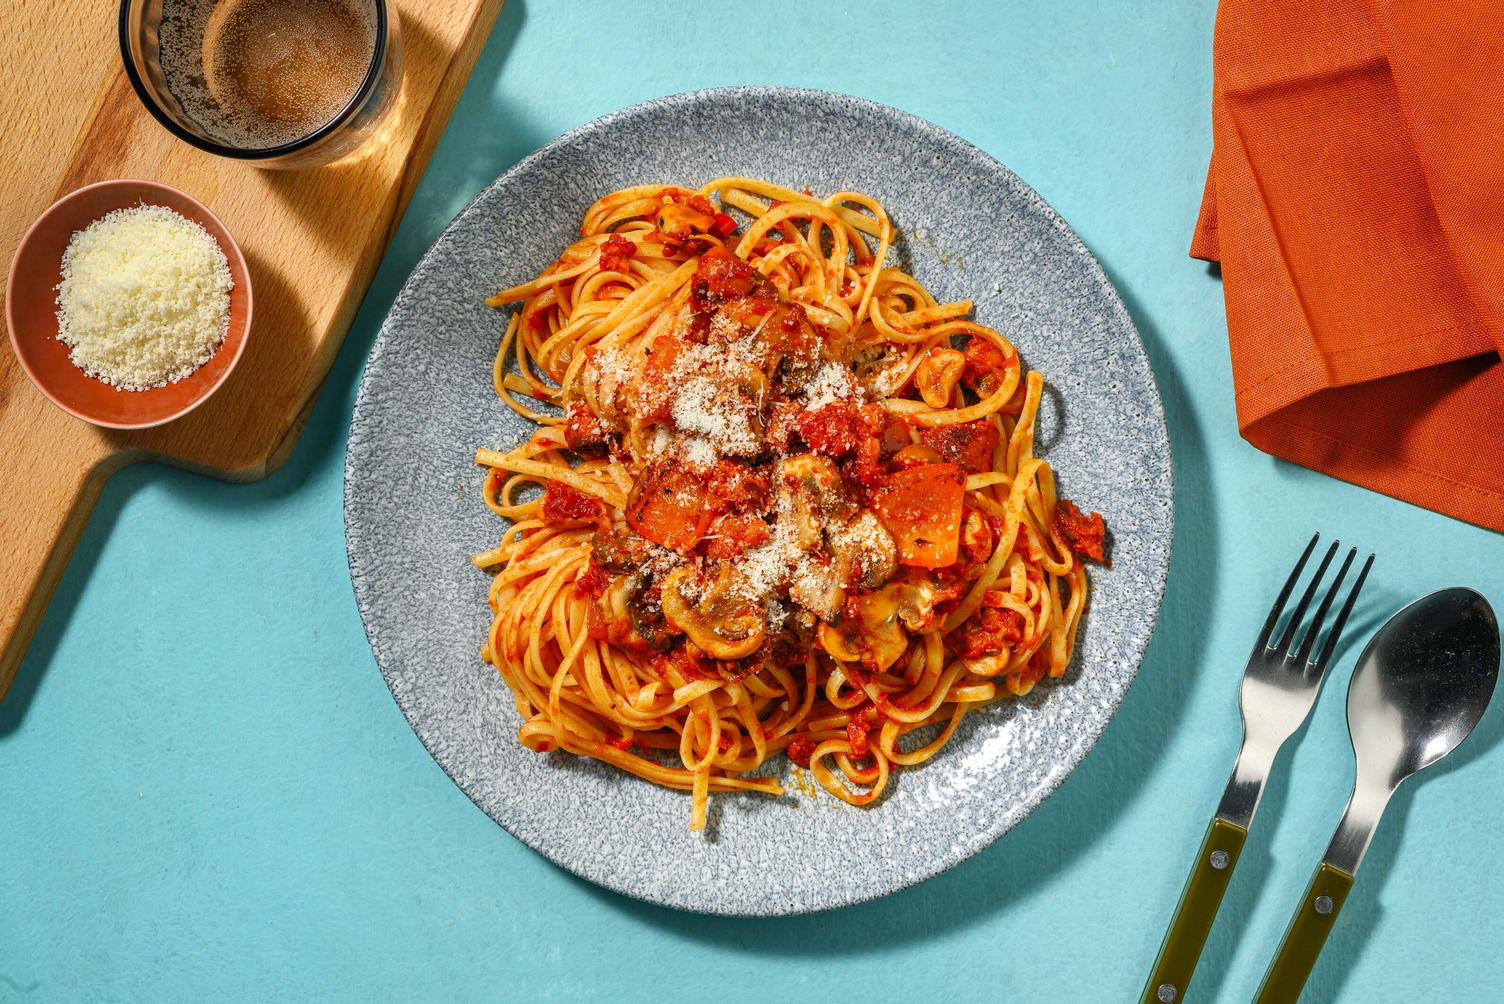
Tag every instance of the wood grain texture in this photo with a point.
(312, 241)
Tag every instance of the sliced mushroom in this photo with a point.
(813, 476)
(750, 386)
(609, 381)
(875, 636)
(802, 626)
(616, 547)
(822, 589)
(976, 537)
(629, 616)
(718, 615)
(988, 665)
(939, 372)
(865, 544)
(680, 220)
(809, 494)
(914, 603)
(915, 455)
(876, 647)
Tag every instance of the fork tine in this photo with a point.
(1305, 599)
(1307, 642)
(1284, 594)
(1347, 608)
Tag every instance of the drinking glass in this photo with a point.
(367, 109)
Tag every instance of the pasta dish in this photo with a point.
(789, 504)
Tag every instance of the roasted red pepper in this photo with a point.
(670, 508)
(921, 508)
(724, 226)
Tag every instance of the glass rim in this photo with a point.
(373, 72)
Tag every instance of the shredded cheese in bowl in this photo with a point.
(145, 297)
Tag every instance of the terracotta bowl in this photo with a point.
(31, 311)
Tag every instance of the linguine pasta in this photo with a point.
(791, 504)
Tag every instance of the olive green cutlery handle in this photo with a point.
(1194, 916)
(1308, 931)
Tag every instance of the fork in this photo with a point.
(1279, 688)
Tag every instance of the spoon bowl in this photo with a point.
(1422, 684)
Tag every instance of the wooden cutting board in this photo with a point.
(312, 240)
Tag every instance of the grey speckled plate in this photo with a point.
(413, 512)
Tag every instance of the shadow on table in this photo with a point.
(1072, 821)
(59, 616)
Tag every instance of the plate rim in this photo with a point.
(1158, 576)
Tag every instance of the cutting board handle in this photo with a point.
(36, 541)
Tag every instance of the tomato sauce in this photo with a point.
(987, 632)
(738, 483)
(969, 444)
(865, 470)
(731, 534)
(592, 581)
(616, 252)
(562, 503)
(839, 428)
(801, 749)
(856, 735)
(678, 659)
(1084, 535)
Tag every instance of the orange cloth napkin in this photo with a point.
(1356, 203)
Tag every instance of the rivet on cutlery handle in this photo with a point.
(1307, 933)
(1194, 916)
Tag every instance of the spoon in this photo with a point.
(1419, 688)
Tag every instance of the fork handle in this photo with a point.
(1193, 917)
(1307, 934)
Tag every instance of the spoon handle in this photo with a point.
(1198, 908)
(1307, 933)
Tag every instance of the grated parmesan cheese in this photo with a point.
(661, 561)
(724, 329)
(662, 442)
(862, 533)
(771, 568)
(702, 403)
(832, 382)
(698, 451)
(145, 297)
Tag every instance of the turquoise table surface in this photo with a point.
(206, 792)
